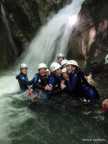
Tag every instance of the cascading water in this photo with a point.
(17, 123)
(54, 36)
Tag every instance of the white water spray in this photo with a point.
(54, 36)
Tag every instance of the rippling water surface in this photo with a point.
(21, 125)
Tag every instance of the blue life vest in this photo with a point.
(55, 82)
(39, 82)
(23, 81)
(78, 85)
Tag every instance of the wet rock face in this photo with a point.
(5, 45)
(99, 48)
(20, 20)
(91, 36)
(98, 10)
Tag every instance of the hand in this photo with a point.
(63, 86)
(48, 87)
(30, 92)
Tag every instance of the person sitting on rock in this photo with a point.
(40, 84)
(78, 85)
(22, 78)
(54, 78)
(40, 79)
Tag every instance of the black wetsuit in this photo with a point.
(24, 83)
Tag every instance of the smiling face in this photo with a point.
(69, 68)
(24, 71)
(60, 59)
(73, 68)
(58, 72)
(43, 72)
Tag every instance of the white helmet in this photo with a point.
(106, 59)
(55, 66)
(23, 65)
(64, 70)
(73, 62)
(60, 55)
(42, 65)
(64, 62)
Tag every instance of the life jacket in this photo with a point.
(23, 81)
(55, 82)
(39, 82)
(73, 84)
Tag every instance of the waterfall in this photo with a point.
(54, 36)
(51, 39)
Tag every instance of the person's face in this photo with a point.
(60, 59)
(24, 71)
(58, 72)
(43, 72)
(65, 75)
(69, 68)
(73, 68)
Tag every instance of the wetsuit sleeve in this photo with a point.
(51, 80)
(24, 80)
(34, 81)
(17, 77)
(72, 83)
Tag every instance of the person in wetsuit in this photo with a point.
(55, 78)
(77, 84)
(40, 79)
(40, 83)
(22, 77)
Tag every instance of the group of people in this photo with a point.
(63, 76)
